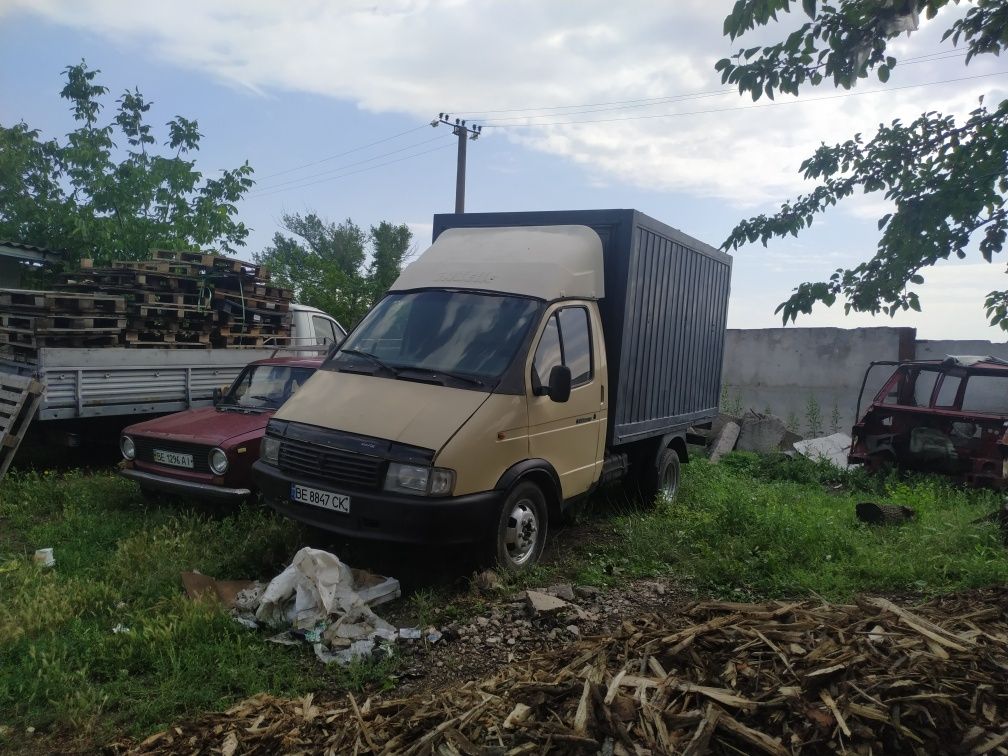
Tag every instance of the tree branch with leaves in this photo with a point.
(94, 197)
(946, 178)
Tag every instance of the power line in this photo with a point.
(351, 165)
(491, 124)
(347, 152)
(649, 101)
(352, 173)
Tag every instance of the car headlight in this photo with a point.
(269, 450)
(127, 447)
(415, 479)
(218, 461)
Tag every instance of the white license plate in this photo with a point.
(173, 458)
(325, 499)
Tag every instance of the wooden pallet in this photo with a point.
(60, 323)
(173, 267)
(166, 337)
(232, 301)
(125, 278)
(172, 312)
(19, 400)
(54, 301)
(211, 262)
(189, 299)
(77, 339)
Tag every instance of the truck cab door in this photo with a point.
(567, 434)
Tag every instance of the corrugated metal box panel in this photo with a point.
(673, 333)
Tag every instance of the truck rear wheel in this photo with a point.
(661, 479)
(519, 533)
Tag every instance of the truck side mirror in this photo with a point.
(559, 383)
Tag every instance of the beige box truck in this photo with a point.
(520, 362)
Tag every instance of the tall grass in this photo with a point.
(773, 526)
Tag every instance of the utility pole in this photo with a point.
(463, 132)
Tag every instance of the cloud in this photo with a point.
(419, 57)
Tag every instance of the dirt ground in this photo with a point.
(510, 631)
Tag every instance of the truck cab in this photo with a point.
(475, 401)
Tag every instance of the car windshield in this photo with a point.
(262, 387)
(448, 334)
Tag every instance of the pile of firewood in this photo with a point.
(777, 678)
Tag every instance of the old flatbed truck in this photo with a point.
(82, 385)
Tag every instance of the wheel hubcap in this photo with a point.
(522, 532)
(669, 482)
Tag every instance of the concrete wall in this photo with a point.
(808, 376)
(800, 373)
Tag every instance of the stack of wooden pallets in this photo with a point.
(173, 300)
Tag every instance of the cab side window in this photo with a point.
(548, 354)
(324, 333)
(576, 340)
(566, 340)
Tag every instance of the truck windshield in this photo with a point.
(464, 336)
(265, 387)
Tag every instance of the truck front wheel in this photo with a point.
(520, 530)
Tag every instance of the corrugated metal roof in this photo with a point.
(28, 251)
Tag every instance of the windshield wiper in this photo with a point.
(268, 399)
(448, 373)
(238, 408)
(376, 360)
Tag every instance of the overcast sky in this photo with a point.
(586, 104)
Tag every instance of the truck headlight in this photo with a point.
(218, 461)
(415, 479)
(127, 447)
(269, 450)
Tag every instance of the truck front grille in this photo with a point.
(344, 468)
(145, 452)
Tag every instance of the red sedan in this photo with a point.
(208, 453)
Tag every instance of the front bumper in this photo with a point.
(384, 516)
(179, 487)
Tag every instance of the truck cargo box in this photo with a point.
(664, 314)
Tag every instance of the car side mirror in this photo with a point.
(559, 383)
(218, 395)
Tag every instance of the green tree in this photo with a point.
(336, 267)
(946, 178)
(106, 191)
